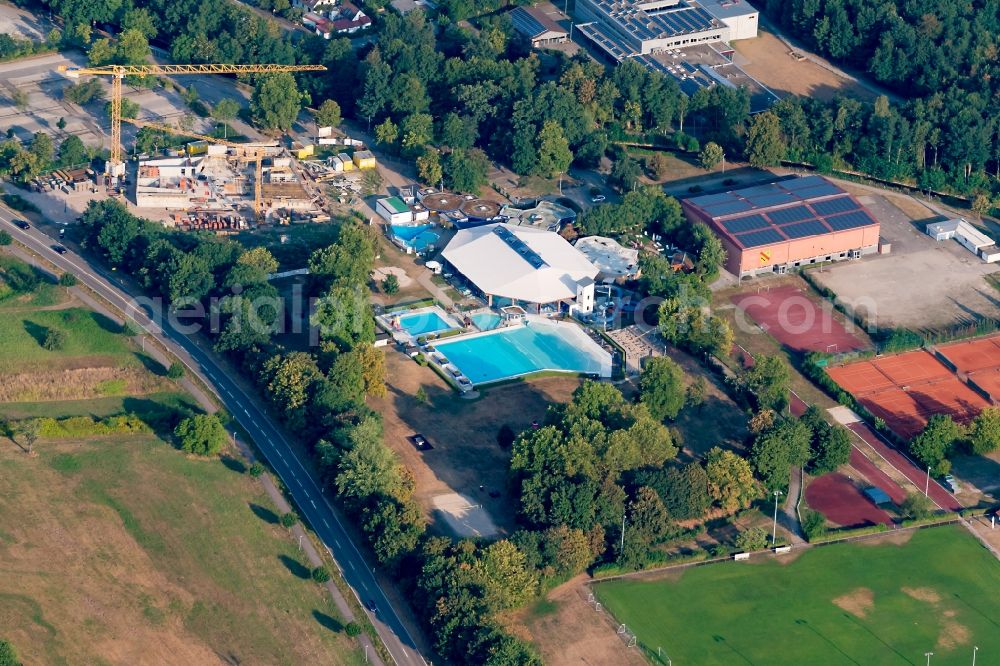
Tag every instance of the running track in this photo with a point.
(936, 491)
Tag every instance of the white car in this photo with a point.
(598, 198)
(951, 483)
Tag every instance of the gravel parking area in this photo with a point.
(921, 284)
(19, 23)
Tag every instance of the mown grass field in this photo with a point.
(888, 602)
(127, 551)
(90, 337)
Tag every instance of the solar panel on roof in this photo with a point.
(709, 199)
(764, 200)
(823, 190)
(757, 190)
(748, 223)
(727, 208)
(525, 23)
(832, 206)
(850, 221)
(803, 229)
(758, 238)
(786, 215)
(795, 184)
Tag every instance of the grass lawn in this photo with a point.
(88, 334)
(148, 407)
(15, 276)
(128, 551)
(871, 603)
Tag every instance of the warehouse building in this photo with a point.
(972, 239)
(536, 26)
(793, 222)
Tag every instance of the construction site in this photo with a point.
(192, 179)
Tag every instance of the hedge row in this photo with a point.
(87, 426)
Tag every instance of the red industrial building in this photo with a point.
(792, 222)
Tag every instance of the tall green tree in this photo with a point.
(276, 101)
(764, 145)
(661, 386)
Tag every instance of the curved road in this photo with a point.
(268, 437)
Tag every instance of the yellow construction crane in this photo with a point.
(115, 166)
(253, 152)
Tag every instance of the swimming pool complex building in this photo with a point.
(525, 266)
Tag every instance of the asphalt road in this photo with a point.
(269, 439)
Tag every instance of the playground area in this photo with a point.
(906, 389)
(795, 319)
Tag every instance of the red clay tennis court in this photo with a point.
(979, 360)
(837, 498)
(797, 321)
(905, 390)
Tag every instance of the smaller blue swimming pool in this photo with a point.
(417, 237)
(422, 323)
(485, 321)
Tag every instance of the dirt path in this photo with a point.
(571, 632)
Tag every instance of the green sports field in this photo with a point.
(841, 604)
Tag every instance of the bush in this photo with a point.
(320, 574)
(6, 238)
(67, 280)
(256, 470)
(352, 629)
(202, 434)
(55, 339)
(752, 539)
(88, 426)
(288, 519)
(915, 506)
(8, 656)
(175, 371)
(813, 524)
(129, 329)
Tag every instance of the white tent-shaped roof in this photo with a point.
(521, 263)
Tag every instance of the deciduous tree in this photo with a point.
(202, 434)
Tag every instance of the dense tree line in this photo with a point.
(939, 55)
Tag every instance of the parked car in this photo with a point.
(61, 249)
(371, 606)
(598, 198)
(950, 483)
(22, 224)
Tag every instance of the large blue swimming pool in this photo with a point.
(416, 236)
(511, 352)
(422, 323)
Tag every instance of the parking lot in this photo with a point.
(921, 284)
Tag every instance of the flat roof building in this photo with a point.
(972, 239)
(786, 224)
(612, 259)
(522, 265)
(394, 210)
(685, 39)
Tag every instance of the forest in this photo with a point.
(452, 99)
